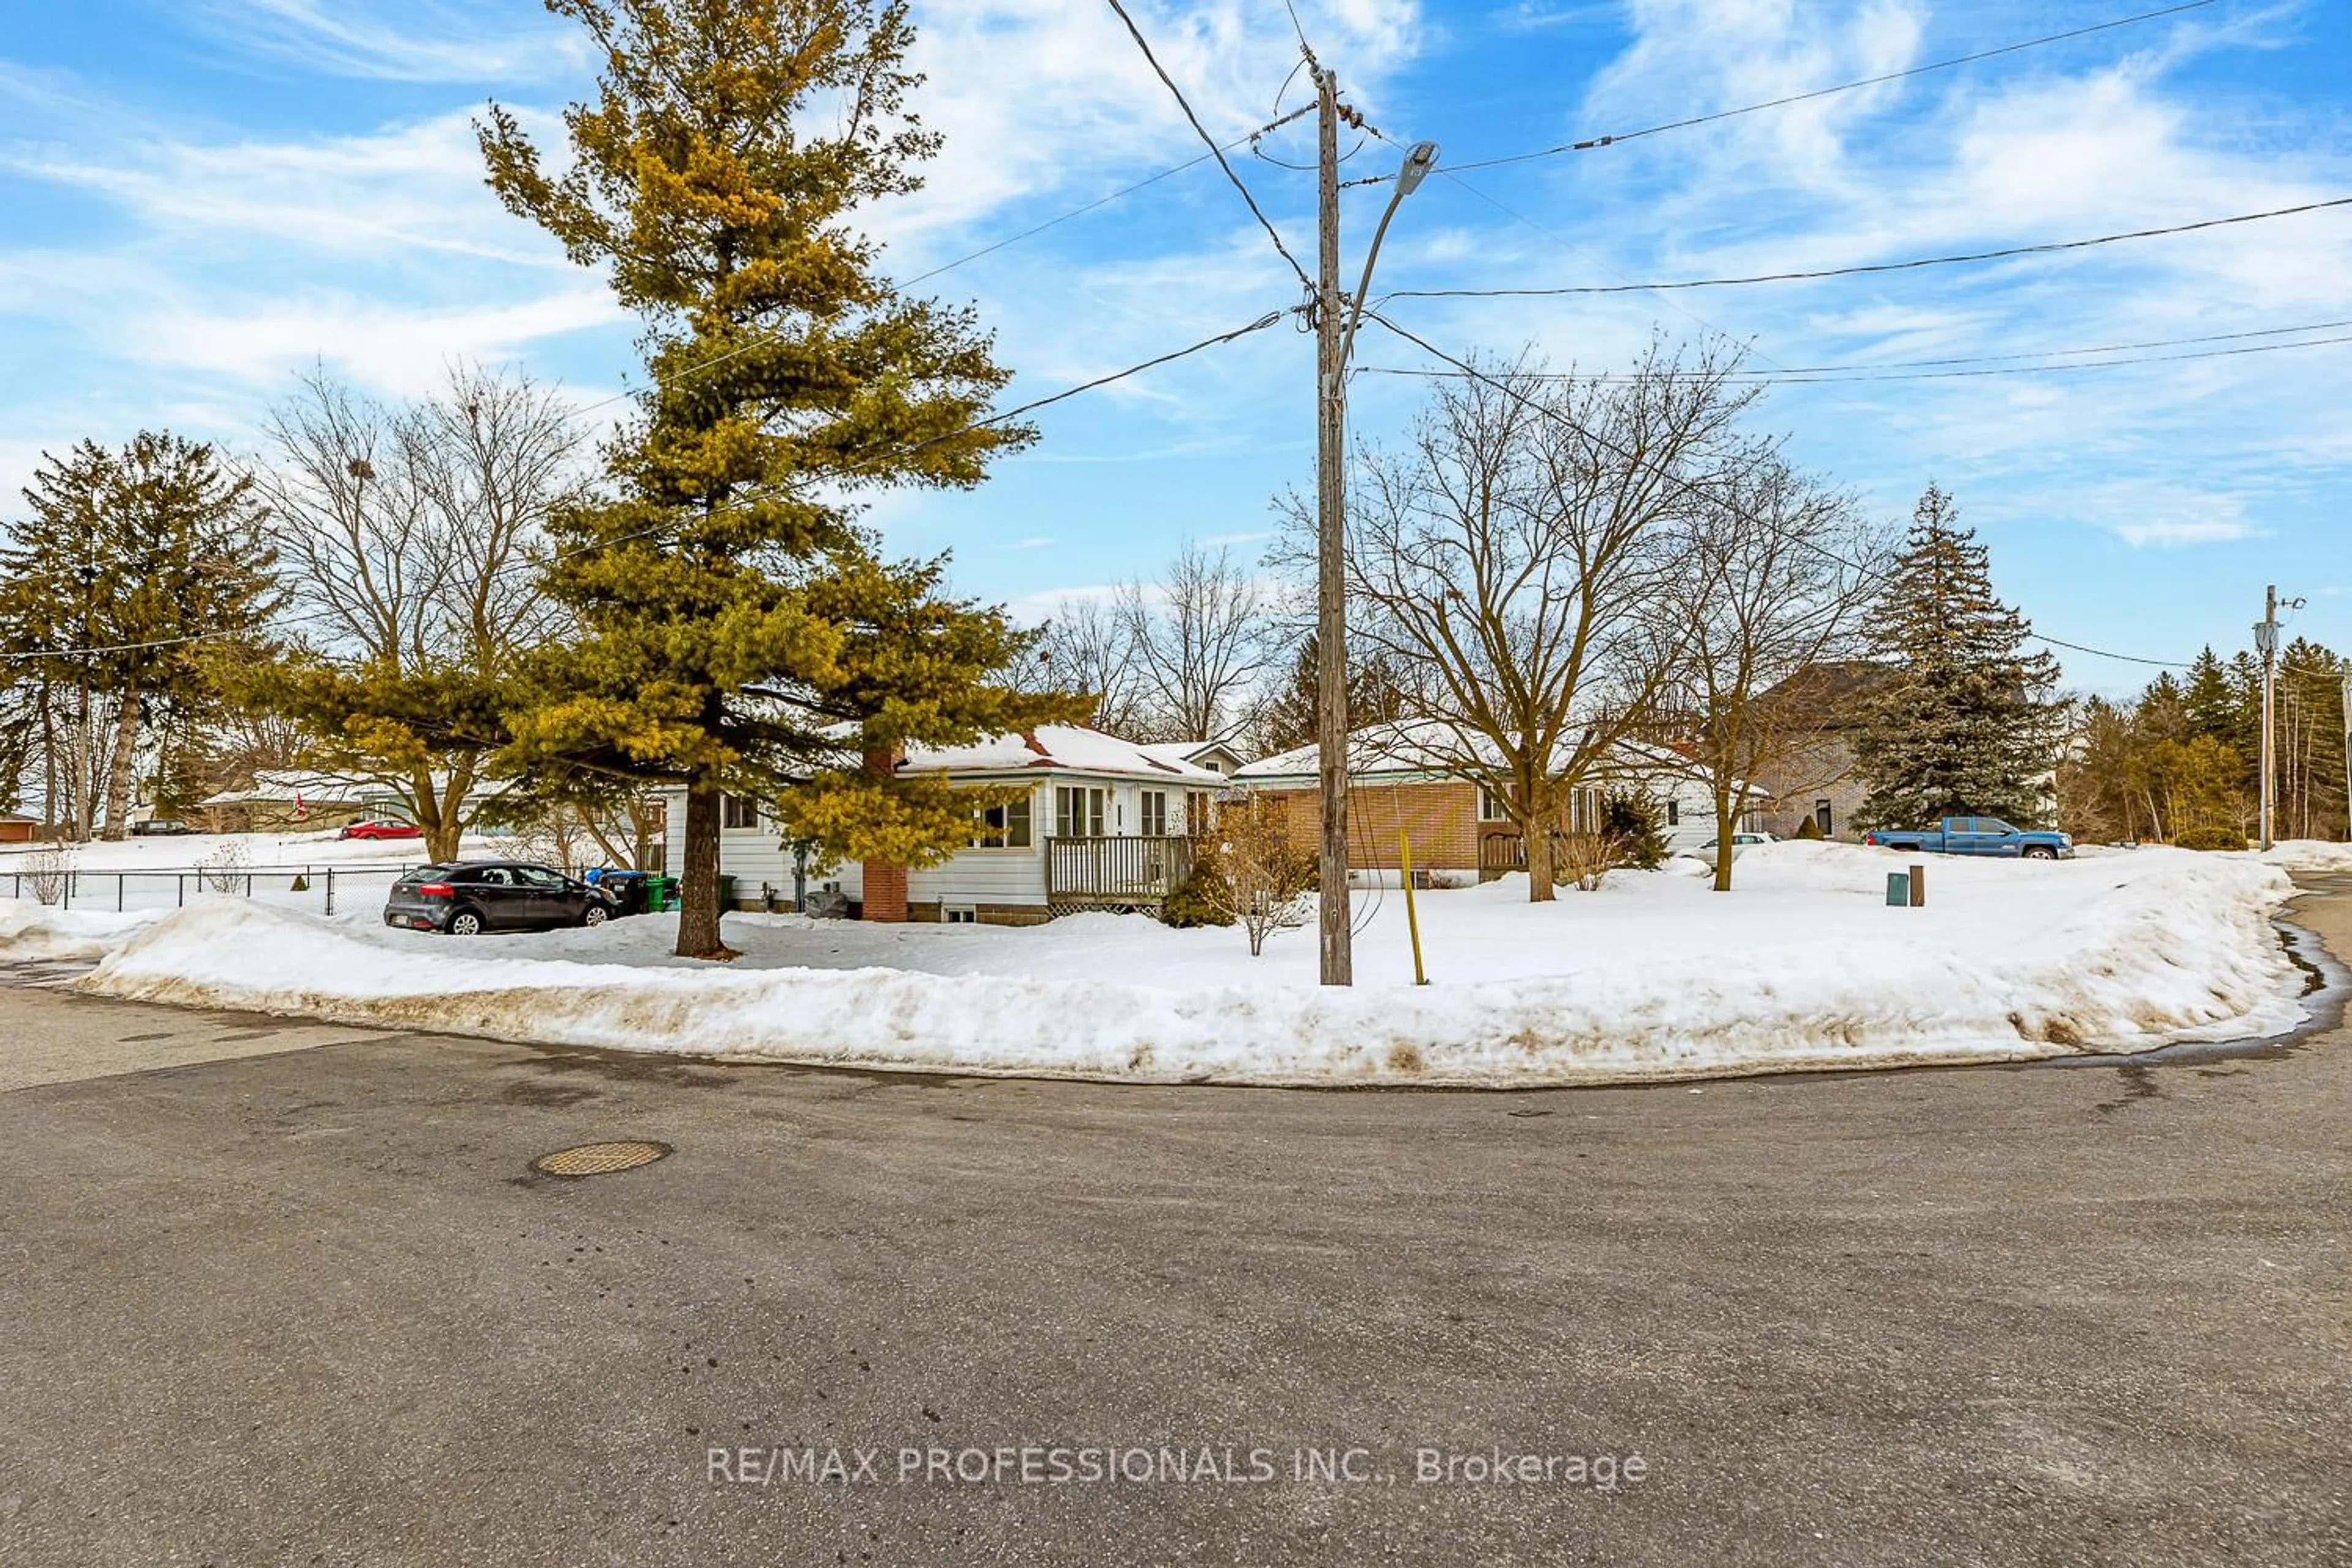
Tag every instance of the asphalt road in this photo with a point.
(278, 1294)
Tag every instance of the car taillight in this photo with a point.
(436, 890)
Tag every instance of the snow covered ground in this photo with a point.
(1655, 976)
(163, 873)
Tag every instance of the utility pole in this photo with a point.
(2266, 644)
(2347, 752)
(1330, 583)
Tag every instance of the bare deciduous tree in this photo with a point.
(1779, 575)
(1198, 638)
(408, 535)
(1085, 647)
(1512, 562)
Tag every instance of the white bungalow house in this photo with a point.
(1104, 824)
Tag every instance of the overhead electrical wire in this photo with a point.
(1218, 152)
(1593, 143)
(687, 372)
(1815, 377)
(540, 564)
(2048, 247)
(1688, 487)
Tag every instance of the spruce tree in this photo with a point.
(740, 631)
(131, 564)
(1967, 727)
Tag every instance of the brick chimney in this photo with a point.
(885, 881)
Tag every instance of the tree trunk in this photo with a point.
(449, 817)
(1536, 837)
(697, 880)
(1723, 833)
(118, 773)
(85, 768)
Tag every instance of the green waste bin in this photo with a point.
(726, 893)
(661, 893)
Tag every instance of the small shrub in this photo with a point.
(1633, 823)
(1205, 898)
(223, 870)
(48, 871)
(1581, 861)
(2210, 837)
(1808, 827)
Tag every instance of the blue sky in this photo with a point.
(202, 197)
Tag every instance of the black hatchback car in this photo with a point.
(474, 896)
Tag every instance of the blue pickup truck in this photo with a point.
(1976, 835)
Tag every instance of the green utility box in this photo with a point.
(1898, 890)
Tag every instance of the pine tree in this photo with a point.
(1375, 696)
(1967, 727)
(130, 562)
(734, 611)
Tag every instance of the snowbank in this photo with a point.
(29, 933)
(1653, 976)
(2311, 855)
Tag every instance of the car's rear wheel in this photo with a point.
(594, 915)
(465, 923)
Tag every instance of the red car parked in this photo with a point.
(381, 830)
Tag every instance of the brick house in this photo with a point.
(1817, 778)
(1401, 784)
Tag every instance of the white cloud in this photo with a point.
(433, 41)
(2174, 532)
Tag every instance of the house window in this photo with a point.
(1152, 819)
(1673, 812)
(737, 811)
(1197, 811)
(959, 914)
(1491, 807)
(1002, 826)
(1077, 811)
(1824, 819)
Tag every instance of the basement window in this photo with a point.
(959, 914)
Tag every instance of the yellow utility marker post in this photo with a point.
(1411, 915)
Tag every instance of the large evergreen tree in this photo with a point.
(129, 564)
(740, 631)
(1968, 727)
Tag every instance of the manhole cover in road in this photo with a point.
(600, 1158)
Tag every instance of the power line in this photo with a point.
(673, 378)
(1815, 378)
(1268, 320)
(1594, 143)
(1914, 263)
(1218, 152)
(1687, 488)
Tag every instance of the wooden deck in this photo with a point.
(1131, 873)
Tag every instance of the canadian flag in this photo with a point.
(301, 812)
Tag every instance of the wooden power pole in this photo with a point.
(2267, 636)
(1330, 584)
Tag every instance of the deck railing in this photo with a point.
(1115, 873)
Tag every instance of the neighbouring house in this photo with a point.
(1401, 784)
(1105, 824)
(18, 828)
(1218, 756)
(1816, 777)
(294, 801)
